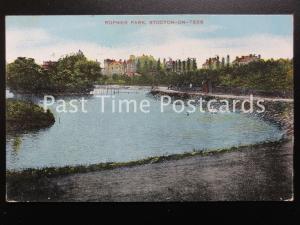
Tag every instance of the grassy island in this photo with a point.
(23, 115)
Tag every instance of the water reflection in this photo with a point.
(16, 144)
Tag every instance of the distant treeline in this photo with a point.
(75, 73)
(266, 75)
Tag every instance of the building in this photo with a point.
(120, 67)
(112, 66)
(131, 66)
(169, 64)
(243, 60)
(48, 64)
(212, 63)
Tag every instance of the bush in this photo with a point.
(23, 115)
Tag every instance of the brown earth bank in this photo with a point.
(258, 172)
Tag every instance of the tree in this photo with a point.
(72, 73)
(223, 62)
(150, 65)
(228, 60)
(184, 66)
(173, 66)
(86, 72)
(144, 61)
(138, 66)
(194, 67)
(218, 62)
(158, 65)
(25, 75)
(188, 64)
(210, 63)
(179, 65)
(145, 67)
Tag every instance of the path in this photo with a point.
(226, 96)
(263, 173)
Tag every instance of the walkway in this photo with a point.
(226, 96)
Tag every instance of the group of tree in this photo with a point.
(71, 73)
(184, 66)
(75, 73)
(148, 64)
(266, 75)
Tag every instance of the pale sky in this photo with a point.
(50, 37)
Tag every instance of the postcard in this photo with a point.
(188, 107)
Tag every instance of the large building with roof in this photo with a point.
(243, 60)
(126, 67)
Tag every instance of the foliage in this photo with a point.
(72, 73)
(75, 73)
(22, 115)
(266, 75)
(25, 75)
(269, 75)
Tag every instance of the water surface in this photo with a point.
(95, 136)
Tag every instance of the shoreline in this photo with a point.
(240, 174)
(67, 170)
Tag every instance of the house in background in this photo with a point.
(131, 66)
(243, 60)
(169, 64)
(215, 62)
(212, 63)
(112, 66)
(48, 64)
(126, 67)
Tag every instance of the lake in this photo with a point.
(95, 137)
